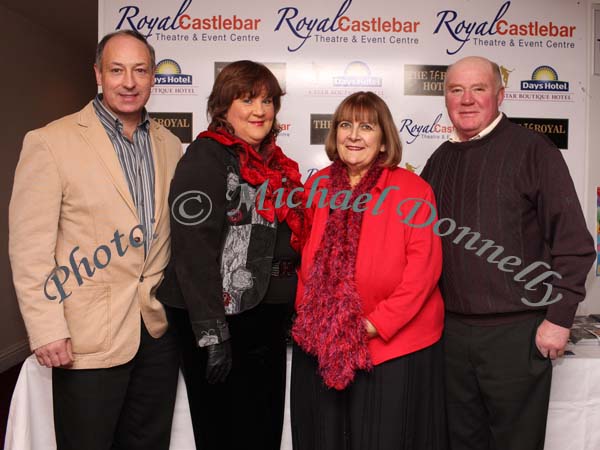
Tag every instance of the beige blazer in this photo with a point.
(70, 211)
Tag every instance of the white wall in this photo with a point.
(592, 301)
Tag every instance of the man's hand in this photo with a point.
(551, 339)
(55, 354)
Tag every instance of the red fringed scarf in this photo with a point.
(330, 320)
(255, 170)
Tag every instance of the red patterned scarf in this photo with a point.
(330, 320)
(276, 168)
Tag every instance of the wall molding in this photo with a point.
(14, 354)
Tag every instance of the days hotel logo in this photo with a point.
(168, 71)
(168, 79)
(331, 80)
(544, 78)
(357, 74)
(544, 86)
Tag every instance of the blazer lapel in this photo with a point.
(95, 135)
(160, 167)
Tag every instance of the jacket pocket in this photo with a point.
(87, 315)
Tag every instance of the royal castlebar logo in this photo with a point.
(285, 129)
(411, 129)
(343, 28)
(181, 26)
(501, 31)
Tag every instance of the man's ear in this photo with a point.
(500, 96)
(98, 73)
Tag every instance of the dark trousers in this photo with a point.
(399, 405)
(497, 386)
(127, 407)
(246, 411)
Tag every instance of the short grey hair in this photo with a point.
(134, 34)
(496, 74)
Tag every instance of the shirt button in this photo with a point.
(137, 239)
(142, 279)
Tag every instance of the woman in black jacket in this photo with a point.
(231, 279)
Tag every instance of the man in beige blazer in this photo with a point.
(89, 240)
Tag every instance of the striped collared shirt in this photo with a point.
(136, 161)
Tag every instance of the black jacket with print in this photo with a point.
(222, 249)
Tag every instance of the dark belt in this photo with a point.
(494, 319)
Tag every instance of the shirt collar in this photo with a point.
(114, 121)
(487, 130)
(383, 180)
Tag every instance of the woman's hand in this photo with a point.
(218, 362)
(371, 330)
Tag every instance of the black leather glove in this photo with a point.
(218, 364)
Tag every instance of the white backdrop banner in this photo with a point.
(321, 51)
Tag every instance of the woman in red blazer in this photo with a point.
(367, 362)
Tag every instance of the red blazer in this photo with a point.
(397, 265)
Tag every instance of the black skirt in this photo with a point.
(245, 411)
(399, 405)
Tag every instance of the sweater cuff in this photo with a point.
(210, 332)
(381, 331)
(36, 342)
(562, 312)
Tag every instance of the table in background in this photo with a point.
(574, 412)
(573, 415)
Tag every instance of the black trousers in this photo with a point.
(399, 405)
(126, 407)
(497, 386)
(246, 411)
